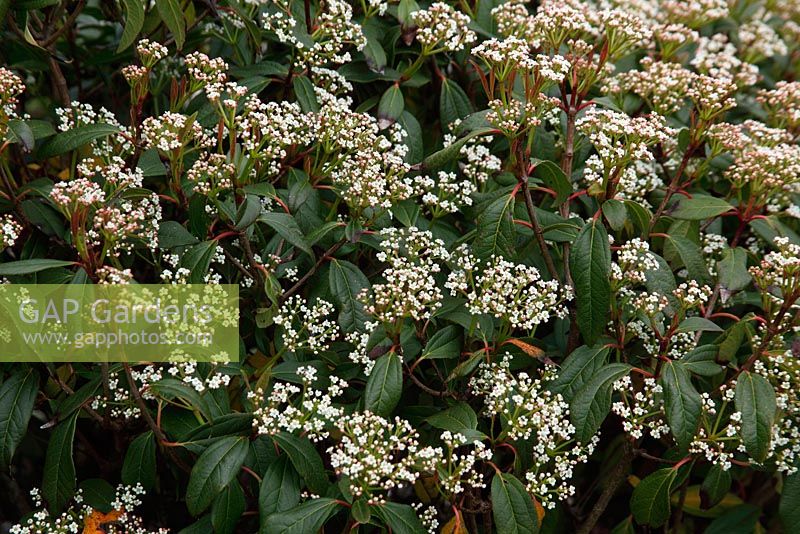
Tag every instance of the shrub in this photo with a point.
(503, 267)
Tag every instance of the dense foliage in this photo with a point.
(504, 266)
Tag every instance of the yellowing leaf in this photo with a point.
(692, 506)
(93, 521)
(455, 526)
(527, 348)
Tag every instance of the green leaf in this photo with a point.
(304, 92)
(170, 12)
(452, 151)
(789, 510)
(172, 234)
(391, 106)
(215, 468)
(305, 459)
(457, 418)
(17, 397)
(248, 212)
(445, 343)
(592, 402)
(413, 140)
(639, 216)
(58, 483)
(554, 178)
(384, 385)
(577, 369)
(198, 259)
(453, 103)
(373, 51)
(615, 213)
(715, 486)
(98, 493)
(732, 269)
(287, 228)
(755, 400)
(20, 132)
(698, 324)
(682, 403)
(495, 234)
(228, 508)
(70, 140)
(590, 263)
(401, 518)
(134, 20)
(702, 360)
(140, 462)
(700, 207)
(360, 511)
(512, 507)
(280, 488)
(346, 282)
(650, 499)
(35, 265)
(739, 520)
(691, 256)
(308, 517)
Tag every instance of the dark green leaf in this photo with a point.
(280, 488)
(496, 229)
(347, 282)
(228, 508)
(691, 256)
(385, 385)
(173, 234)
(698, 324)
(58, 484)
(615, 213)
(171, 14)
(140, 462)
(590, 263)
(457, 418)
(715, 486)
(701, 361)
(512, 507)
(592, 402)
(215, 468)
(17, 397)
(789, 510)
(390, 106)
(287, 228)
(755, 400)
(739, 520)
(732, 269)
(20, 267)
(445, 343)
(401, 518)
(650, 499)
(304, 519)
(304, 91)
(700, 207)
(554, 178)
(134, 20)
(577, 369)
(305, 459)
(453, 103)
(682, 403)
(70, 140)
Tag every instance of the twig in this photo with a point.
(332, 250)
(537, 229)
(614, 480)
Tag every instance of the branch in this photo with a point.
(612, 483)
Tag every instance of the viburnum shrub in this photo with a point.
(504, 266)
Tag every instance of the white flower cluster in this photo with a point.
(778, 275)
(83, 518)
(532, 413)
(334, 32)
(641, 411)
(312, 413)
(410, 289)
(441, 28)
(634, 259)
(619, 140)
(445, 195)
(306, 326)
(9, 231)
(663, 85)
(173, 132)
(509, 291)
